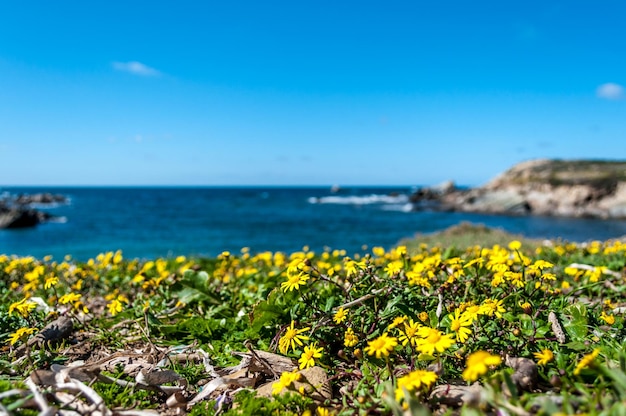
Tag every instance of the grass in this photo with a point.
(599, 174)
(468, 321)
(466, 235)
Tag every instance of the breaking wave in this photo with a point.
(361, 199)
(57, 220)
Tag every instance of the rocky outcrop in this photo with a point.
(575, 188)
(21, 218)
(15, 212)
(40, 198)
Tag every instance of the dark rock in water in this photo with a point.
(431, 197)
(19, 218)
(15, 213)
(41, 198)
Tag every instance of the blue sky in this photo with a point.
(303, 92)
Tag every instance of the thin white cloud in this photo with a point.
(610, 91)
(136, 68)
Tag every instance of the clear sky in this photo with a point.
(305, 92)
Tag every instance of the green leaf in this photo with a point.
(434, 321)
(196, 288)
(330, 302)
(270, 309)
(391, 309)
(543, 330)
(509, 317)
(574, 318)
(526, 324)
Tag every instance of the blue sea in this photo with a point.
(150, 222)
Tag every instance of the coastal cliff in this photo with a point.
(565, 188)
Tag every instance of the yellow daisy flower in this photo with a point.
(340, 316)
(294, 281)
(586, 361)
(20, 333)
(478, 363)
(286, 379)
(433, 340)
(350, 339)
(307, 359)
(414, 381)
(459, 323)
(291, 338)
(544, 357)
(381, 346)
(409, 334)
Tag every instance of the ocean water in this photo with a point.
(149, 222)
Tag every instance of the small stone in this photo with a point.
(458, 395)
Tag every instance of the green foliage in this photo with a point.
(249, 404)
(196, 287)
(398, 305)
(115, 395)
(575, 321)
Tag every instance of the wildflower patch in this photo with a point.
(501, 328)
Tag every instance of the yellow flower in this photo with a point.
(69, 298)
(291, 338)
(23, 307)
(478, 261)
(414, 381)
(382, 345)
(609, 319)
(20, 333)
(459, 323)
(322, 411)
(409, 334)
(544, 357)
(471, 310)
(378, 251)
(117, 257)
(423, 316)
(115, 307)
(400, 251)
(340, 316)
(352, 267)
(541, 264)
(286, 379)
(526, 307)
(417, 279)
(586, 361)
(50, 281)
(307, 359)
(515, 277)
(394, 267)
(492, 307)
(294, 281)
(433, 340)
(350, 339)
(515, 245)
(398, 320)
(478, 363)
